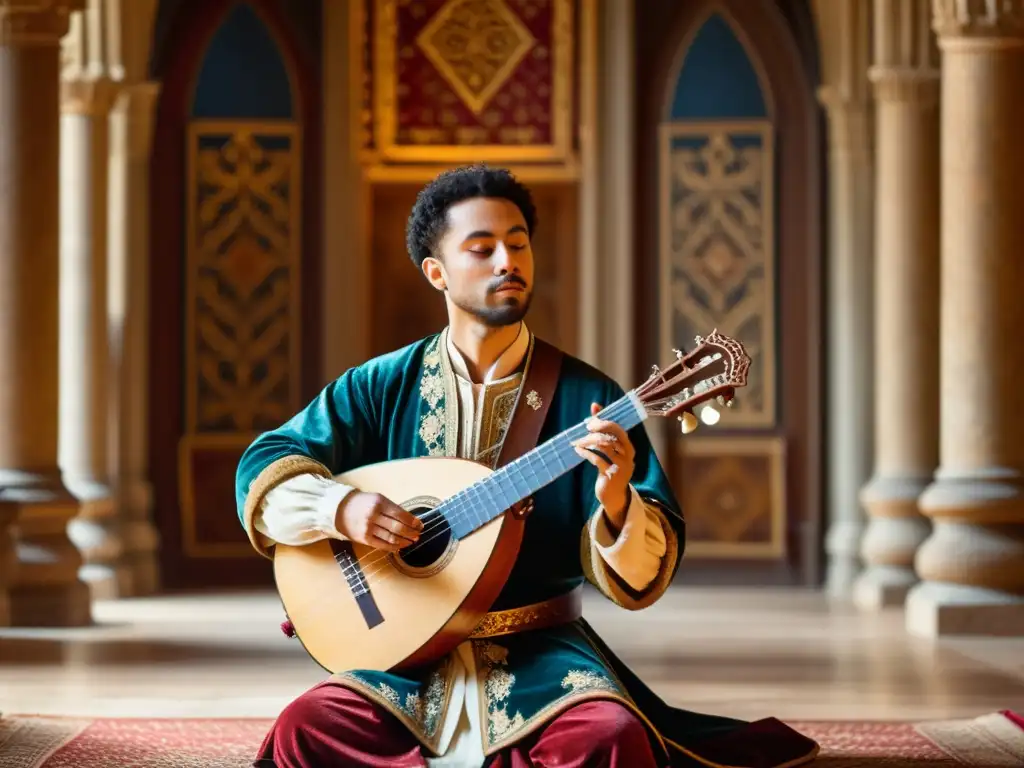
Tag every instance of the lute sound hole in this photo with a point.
(436, 546)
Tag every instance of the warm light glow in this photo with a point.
(710, 416)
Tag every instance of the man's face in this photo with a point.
(486, 261)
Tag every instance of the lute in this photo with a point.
(355, 607)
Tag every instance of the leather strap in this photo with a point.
(535, 396)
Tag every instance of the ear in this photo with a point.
(434, 271)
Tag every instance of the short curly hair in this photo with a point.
(429, 218)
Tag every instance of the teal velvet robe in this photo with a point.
(405, 404)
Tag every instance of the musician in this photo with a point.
(535, 697)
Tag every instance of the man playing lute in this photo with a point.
(522, 695)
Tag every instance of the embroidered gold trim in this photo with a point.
(422, 713)
(499, 402)
(503, 729)
(499, 440)
(599, 573)
(432, 390)
(492, 661)
(558, 610)
(271, 475)
(450, 409)
(533, 399)
(584, 680)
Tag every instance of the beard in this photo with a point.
(512, 310)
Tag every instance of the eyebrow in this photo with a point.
(482, 233)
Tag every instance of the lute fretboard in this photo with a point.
(483, 501)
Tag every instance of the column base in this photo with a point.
(894, 533)
(842, 546)
(935, 609)
(45, 587)
(141, 540)
(883, 586)
(59, 605)
(95, 533)
(142, 574)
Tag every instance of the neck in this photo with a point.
(481, 345)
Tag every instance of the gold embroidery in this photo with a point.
(533, 400)
(558, 610)
(432, 424)
(582, 680)
(424, 710)
(495, 415)
(497, 688)
(390, 694)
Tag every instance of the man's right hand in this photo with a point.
(371, 519)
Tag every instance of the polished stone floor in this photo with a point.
(741, 652)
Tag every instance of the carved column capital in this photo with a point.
(87, 96)
(919, 86)
(849, 119)
(978, 19)
(35, 22)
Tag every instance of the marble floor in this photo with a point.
(740, 652)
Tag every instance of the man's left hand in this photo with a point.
(614, 467)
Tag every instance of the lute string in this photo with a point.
(460, 503)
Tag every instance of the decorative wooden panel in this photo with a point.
(243, 303)
(468, 80)
(717, 247)
(733, 496)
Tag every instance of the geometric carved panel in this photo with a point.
(717, 256)
(242, 302)
(733, 496)
(471, 80)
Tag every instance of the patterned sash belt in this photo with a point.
(549, 613)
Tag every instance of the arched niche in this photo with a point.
(728, 238)
(235, 223)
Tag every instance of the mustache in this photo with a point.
(510, 280)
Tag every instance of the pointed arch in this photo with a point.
(717, 74)
(244, 73)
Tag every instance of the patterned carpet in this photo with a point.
(993, 741)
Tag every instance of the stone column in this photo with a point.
(131, 129)
(850, 268)
(45, 590)
(972, 565)
(84, 380)
(906, 84)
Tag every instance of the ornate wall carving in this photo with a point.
(718, 247)
(734, 497)
(242, 352)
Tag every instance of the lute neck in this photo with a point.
(485, 500)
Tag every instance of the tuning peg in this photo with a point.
(721, 400)
(709, 415)
(729, 402)
(688, 422)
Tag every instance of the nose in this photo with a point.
(504, 260)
